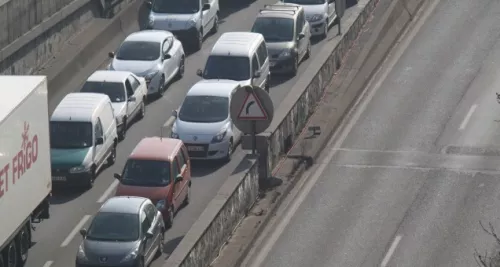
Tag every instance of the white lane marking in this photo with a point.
(48, 264)
(75, 230)
(391, 250)
(108, 191)
(468, 116)
(391, 61)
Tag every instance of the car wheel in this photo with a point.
(161, 86)
(142, 111)
(229, 152)
(24, 244)
(159, 251)
(123, 132)
(188, 195)
(308, 51)
(112, 156)
(91, 178)
(215, 28)
(295, 67)
(325, 30)
(199, 40)
(267, 86)
(11, 255)
(141, 262)
(170, 220)
(180, 72)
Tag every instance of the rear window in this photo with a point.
(148, 173)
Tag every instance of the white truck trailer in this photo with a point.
(25, 175)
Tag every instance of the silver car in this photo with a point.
(126, 231)
(155, 55)
(287, 36)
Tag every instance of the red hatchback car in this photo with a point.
(158, 169)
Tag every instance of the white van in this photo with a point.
(239, 56)
(83, 138)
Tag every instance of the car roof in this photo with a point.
(78, 107)
(156, 148)
(123, 204)
(148, 35)
(213, 88)
(109, 76)
(236, 43)
(280, 10)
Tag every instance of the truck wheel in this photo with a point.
(11, 255)
(24, 243)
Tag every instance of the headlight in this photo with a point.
(218, 138)
(161, 205)
(132, 255)
(81, 253)
(174, 135)
(78, 169)
(150, 76)
(192, 22)
(315, 17)
(285, 53)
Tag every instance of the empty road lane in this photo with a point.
(411, 175)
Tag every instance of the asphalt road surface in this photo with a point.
(416, 168)
(57, 239)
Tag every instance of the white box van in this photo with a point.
(239, 56)
(83, 138)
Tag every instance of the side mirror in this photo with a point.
(206, 7)
(111, 54)
(83, 232)
(99, 141)
(199, 72)
(167, 56)
(117, 176)
(179, 178)
(301, 36)
(149, 234)
(132, 99)
(175, 113)
(256, 74)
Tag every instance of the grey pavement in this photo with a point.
(70, 208)
(419, 169)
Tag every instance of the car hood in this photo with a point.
(71, 157)
(275, 49)
(139, 68)
(119, 109)
(113, 251)
(186, 129)
(311, 10)
(153, 193)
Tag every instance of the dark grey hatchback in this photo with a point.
(125, 232)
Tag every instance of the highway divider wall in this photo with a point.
(207, 236)
(222, 215)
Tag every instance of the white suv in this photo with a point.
(189, 20)
(319, 13)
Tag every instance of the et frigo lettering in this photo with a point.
(21, 162)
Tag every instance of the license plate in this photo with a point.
(195, 148)
(59, 178)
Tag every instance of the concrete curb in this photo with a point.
(59, 73)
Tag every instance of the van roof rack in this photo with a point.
(277, 10)
(286, 7)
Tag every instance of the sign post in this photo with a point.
(340, 6)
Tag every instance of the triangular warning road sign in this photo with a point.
(252, 109)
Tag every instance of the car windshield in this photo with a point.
(306, 2)
(114, 226)
(204, 109)
(70, 134)
(274, 29)
(115, 91)
(139, 51)
(176, 6)
(227, 67)
(148, 173)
